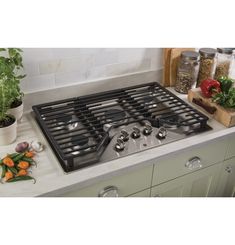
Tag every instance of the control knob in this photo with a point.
(124, 135)
(136, 133)
(147, 129)
(120, 145)
(162, 132)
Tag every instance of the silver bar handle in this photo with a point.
(109, 191)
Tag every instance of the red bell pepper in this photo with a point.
(210, 87)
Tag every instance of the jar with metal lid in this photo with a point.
(207, 64)
(224, 59)
(187, 71)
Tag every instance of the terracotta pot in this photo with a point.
(17, 112)
(8, 134)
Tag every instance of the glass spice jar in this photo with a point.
(187, 71)
(207, 64)
(224, 59)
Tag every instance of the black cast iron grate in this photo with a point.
(75, 127)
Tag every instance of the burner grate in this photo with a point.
(85, 117)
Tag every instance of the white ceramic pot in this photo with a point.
(17, 112)
(8, 134)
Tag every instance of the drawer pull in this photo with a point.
(228, 169)
(194, 163)
(109, 191)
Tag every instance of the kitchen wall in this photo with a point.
(48, 68)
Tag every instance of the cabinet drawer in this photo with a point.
(145, 193)
(124, 185)
(231, 147)
(178, 164)
(202, 183)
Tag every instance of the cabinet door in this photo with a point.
(202, 183)
(226, 187)
(145, 193)
(118, 186)
(231, 147)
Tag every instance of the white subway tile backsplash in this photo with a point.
(54, 67)
(31, 69)
(32, 55)
(129, 67)
(131, 54)
(63, 79)
(50, 66)
(38, 83)
(106, 57)
(65, 53)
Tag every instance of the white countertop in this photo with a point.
(51, 180)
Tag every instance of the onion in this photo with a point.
(21, 147)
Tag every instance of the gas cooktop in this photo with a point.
(96, 128)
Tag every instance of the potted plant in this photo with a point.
(11, 66)
(8, 123)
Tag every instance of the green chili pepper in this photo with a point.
(13, 155)
(4, 169)
(18, 157)
(21, 178)
(13, 170)
(29, 160)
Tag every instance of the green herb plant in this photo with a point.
(5, 98)
(226, 97)
(11, 73)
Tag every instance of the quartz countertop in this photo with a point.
(51, 179)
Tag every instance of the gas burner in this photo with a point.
(172, 122)
(115, 116)
(79, 141)
(62, 123)
(148, 101)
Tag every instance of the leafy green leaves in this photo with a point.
(226, 100)
(10, 65)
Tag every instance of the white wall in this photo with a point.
(48, 68)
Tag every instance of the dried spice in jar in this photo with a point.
(207, 64)
(224, 59)
(187, 71)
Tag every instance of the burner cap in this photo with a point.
(114, 115)
(66, 118)
(148, 99)
(79, 140)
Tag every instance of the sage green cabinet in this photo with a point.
(132, 182)
(226, 187)
(145, 193)
(202, 183)
(231, 147)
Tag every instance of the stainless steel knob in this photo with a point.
(147, 129)
(136, 133)
(109, 191)
(120, 145)
(124, 135)
(162, 133)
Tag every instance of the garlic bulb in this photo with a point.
(37, 146)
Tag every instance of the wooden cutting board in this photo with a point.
(219, 113)
(166, 64)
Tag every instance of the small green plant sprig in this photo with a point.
(10, 69)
